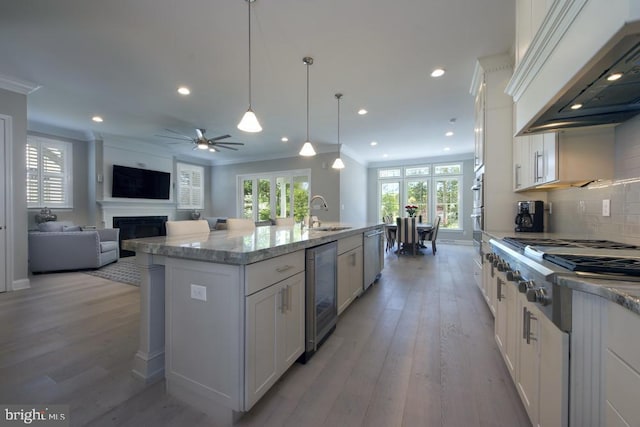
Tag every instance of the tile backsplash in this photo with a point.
(579, 210)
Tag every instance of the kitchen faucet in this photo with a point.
(323, 206)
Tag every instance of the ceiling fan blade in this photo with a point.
(174, 137)
(228, 148)
(177, 133)
(218, 138)
(227, 143)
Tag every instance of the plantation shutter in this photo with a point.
(190, 186)
(49, 174)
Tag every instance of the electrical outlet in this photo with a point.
(582, 207)
(198, 292)
(550, 207)
(606, 207)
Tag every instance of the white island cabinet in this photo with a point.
(222, 314)
(350, 270)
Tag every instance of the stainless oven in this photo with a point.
(477, 213)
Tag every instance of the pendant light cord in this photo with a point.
(249, 9)
(307, 101)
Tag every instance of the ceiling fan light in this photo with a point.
(203, 145)
(249, 122)
(213, 150)
(307, 150)
(338, 164)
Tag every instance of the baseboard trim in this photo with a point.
(20, 284)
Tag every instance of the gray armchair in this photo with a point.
(72, 250)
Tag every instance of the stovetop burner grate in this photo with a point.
(522, 242)
(580, 263)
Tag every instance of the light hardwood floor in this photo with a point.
(417, 349)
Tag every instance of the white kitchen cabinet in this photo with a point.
(506, 321)
(479, 122)
(350, 271)
(529, 17)
(274, 334)
(562, 159)
(622, 367)
(542, 366)
(528, 359)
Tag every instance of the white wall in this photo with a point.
(15, 105)
(353, 191)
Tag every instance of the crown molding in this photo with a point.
(16, 85)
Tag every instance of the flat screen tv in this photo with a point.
(137, 183)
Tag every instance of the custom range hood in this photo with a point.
(582, 68)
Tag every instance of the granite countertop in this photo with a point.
(626, 294)
(242, 246)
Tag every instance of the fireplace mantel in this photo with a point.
(134, 207)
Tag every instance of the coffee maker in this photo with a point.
(530, 216)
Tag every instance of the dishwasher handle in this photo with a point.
(375, 233)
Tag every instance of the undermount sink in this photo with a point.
(331, 228)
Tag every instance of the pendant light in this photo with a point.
(337, 163)
(249, 122)
(307, 149)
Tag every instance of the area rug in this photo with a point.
(123, 271)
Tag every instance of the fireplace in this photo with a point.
(134, 227)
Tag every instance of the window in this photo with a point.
(49, 173)
(274, 195)
(435, 189)
(190, 186)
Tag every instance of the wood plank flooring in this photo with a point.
(417, 349)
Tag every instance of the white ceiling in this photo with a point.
(124, 59)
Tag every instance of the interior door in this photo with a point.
(3, 207)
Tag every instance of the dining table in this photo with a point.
(391, 228)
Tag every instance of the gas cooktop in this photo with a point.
(582, 255)
(522, 242)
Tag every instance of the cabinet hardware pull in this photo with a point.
(499, 289)
(524, 323)
(517, 173)
(288, 298)
(281, 300)
(529, 337)
(284, 268)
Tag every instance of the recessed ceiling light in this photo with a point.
(374, 143)
(438, 72)
(284, 139)
(613, 77)
(576, 106)
(446, 148)
(362, 111)
(449, 133)
(183, 90)
(97, 119)
(385, 155)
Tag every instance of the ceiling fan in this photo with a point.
(200, 141)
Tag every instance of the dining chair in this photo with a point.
(180, 228)
(433, 234)
(407, 234)
(390, 236)
(288, 221)
(240, 224)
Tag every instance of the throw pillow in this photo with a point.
(71, 228)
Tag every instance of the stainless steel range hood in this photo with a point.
(579, 44)
(597, 97)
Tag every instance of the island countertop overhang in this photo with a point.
(244, 246)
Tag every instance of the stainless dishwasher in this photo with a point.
(373, 256)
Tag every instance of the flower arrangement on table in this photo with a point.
(411, 210)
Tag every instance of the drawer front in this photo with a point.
(265, 273)
(622, 389)
(349, 243)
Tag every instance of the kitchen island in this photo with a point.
(222, 313)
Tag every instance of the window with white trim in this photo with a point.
(434, 189)
(190, 186)
(49, 172)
